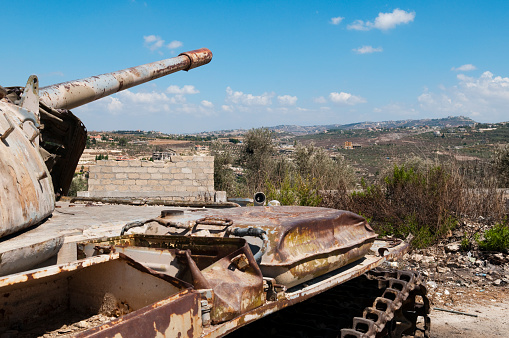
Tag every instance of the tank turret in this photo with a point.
(41, 141)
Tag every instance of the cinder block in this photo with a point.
(121, 175)
(92, 181)
(176, 158)
(133, 175)
(123, 188)
(156, 176)
(147, 163)
(179, 176)
(152, 170)
(134, 163)
(145, 176)
(208, 158)
(190, 176)
(130, 182)
(123, 163)
(158, 164)
(220, 197)
(141, 182)
(106, 169)
(158, 187)
(109, 176)
(110, 187)
(200, 176)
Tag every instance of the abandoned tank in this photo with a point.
(185, 271)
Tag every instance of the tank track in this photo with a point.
(396, 312)
(381, 303)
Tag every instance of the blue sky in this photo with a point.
(275, 62)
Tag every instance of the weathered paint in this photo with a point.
(75, 93)
(303, 242)
(32, 300)
(318, 285)
(26, 189)
(26, 257)
(206, 263)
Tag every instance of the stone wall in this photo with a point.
(182, 178)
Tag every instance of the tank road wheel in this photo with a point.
(401, 311)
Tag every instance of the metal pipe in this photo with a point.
(253, 232)
(456, 312)
(72, 94)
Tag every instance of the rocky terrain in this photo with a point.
(473, 282)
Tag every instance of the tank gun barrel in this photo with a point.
(72, 94)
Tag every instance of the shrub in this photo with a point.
(294, 191)
(79, 183)
(496, 238)
(419, 199)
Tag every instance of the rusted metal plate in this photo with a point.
(26, 190)
(318, 285)
(75, 93)
(110, 285)
(22, 258)
(303, 242)
(206, 263)
(178, 316)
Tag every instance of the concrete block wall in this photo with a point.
(182, 178)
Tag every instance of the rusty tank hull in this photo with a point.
(221, 263)
(162, 286)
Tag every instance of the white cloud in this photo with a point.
(287, 100)
(337, 20)
(175, 44)
(346, 98)
(227, 108)
(384, 21)
(367, 50)
(114, 106)
(358, 25)
(465, 68)
(485, 97)
(153, 42)
(207, 104)
(186, 89)
(320, 99)
(129, 96)
(248, 99)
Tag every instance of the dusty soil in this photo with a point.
(490, 306)
(469, 281)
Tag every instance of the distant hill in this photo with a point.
(451, 121)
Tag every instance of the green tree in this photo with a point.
(257, 157)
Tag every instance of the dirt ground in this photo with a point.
(490, 306)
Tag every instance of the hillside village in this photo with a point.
(366, 146)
